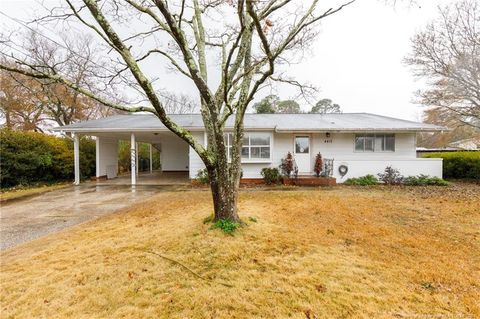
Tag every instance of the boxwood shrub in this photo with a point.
(459, 164)
(271, 175)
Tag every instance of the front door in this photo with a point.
(302, 153)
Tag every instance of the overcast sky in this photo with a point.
(357, 59)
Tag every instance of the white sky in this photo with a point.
(356, 61)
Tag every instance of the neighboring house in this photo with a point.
(364, 143)
(469, 144)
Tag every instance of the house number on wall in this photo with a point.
(328, 141)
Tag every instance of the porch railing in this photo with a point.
(327, 167)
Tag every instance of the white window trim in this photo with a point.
(374, 150)
(254, 160)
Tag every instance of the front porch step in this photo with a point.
(308, 180)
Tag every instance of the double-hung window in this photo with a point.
(256, 146)
(374, 142)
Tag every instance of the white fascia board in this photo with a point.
(117, 130)
(362, 130)
(275, 129)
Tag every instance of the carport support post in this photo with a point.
(76, 158)
(151, 157)
(136, 158)
(133, 159)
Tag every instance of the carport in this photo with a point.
(174, 152)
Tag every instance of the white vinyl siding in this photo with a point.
(106, 157)
(341, 148)
(195, 162)
(174, 154)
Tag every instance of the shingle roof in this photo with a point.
(278, 122)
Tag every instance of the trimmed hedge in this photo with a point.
(28, 158)
(459, 164)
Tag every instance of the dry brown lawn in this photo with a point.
(18, 193)
(340, 252)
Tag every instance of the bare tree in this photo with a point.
(57, 101)
(247, 39)
(447, 54)
(178, 103)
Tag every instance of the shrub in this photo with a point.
(271, 175)
(318, 165)
(202, 176)
(459, 164)
(226, 225)
(424, 180)
(391, 176)
(29, 158)
(288, 165)
(362, 181)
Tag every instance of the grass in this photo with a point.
(343, 252)
(21, 192)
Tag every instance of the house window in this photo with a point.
(374, 142)
(256, 146)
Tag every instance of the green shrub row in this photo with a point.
(420, 180)
(28, 158)
(362, 181)
(459, 164)
(424, 180)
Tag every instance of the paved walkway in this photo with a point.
(27, 219)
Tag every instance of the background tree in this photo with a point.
(255, 38)
(18, 104)
(44, 100)
(179, 103)
(447, 55)
(448, 118)
(288, 106)
(325, 106)
(267, 105)
(272, 104)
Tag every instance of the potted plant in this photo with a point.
(318, 165)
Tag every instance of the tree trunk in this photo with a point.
(224, 186)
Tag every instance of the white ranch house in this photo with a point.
(364, 143)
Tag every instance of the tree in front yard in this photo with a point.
(241, 42)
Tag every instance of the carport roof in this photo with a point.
(279, 122)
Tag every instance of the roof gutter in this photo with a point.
(275, 129)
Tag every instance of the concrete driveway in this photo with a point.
(27, 219)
